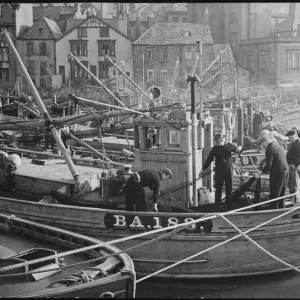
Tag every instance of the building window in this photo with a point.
(233, 39)
(188, 72)
(175, 19)
(165, 53)
(264, 61)
(197, 71)
(149, 53)
(248, 62)
(29, 47)
(184, 20)
(103, 69)
(150, 75)
(164, 75)
(4, 75)
(43, 68)
(42, 83)
(82, 32)
(93, 70)
(233, 18)
(79, 49)
(104, 32)
(107, 48)
(43, 48)
(293, 60)
(30, 67)
(4, 55)
(188, 51)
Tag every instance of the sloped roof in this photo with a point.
(227, 57)
(53, 12)
(179, 7)
(73, 23)
(285, 25)
(56, 32)
(62, 25)
(144, 12)
(171, 33)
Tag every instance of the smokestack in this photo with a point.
(292, 9)
(138, 25)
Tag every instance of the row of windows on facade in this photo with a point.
(104, 48)
(163, 74)
(293, 58)
(189, 50)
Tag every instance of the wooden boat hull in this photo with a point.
(120, 283)
(236, 258)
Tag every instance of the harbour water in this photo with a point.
(282, 285)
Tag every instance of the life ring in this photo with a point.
(230, 120)
(107, 295)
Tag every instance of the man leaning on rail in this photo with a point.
(135, 196)
(278, 167)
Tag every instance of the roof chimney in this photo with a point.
(164, 11)
(150, 19)
(138, 25)
(205, 16)
(292, 9)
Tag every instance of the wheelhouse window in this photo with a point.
(79, 48)
(173, 138)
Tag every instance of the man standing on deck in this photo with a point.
(223, 170)
(278, 167)
(134, 188)
(257, 122)
(293, 160)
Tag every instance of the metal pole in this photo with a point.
(193, 80)
(127, 77)
(201, 90)
(143, 71)
(95, 78)
(43, 109)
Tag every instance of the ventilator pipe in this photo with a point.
(240, 127)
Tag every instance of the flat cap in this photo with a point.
(167, 171)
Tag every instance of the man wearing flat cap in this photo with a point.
(221, 152)
(134, 188)
(293, 160)
(257, 123)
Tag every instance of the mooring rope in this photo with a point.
(177, 226)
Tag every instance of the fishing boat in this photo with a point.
(187, 238)
(33, 264)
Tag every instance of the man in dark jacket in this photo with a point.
(134, 188)
(246, 123)
(278, 167)
(293, 160)
(223, 170)
(257, 122)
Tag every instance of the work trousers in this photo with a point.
(294, 183)
(135, 197)
(277, 189)
(223, 175)
(256, 131)
(246, 130)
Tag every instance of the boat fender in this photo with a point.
(107, 295)
(230, 120)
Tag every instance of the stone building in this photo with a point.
(15, 20)
(162, 45)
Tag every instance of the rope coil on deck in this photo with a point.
(177, 228)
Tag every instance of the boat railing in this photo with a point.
(175, 228)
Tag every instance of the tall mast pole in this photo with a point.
(95, 78)
(127, 77)
(200, 46)
(43, 109)
(192, 81)
(143, 72)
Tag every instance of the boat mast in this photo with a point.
(74, 58)
(43, 109)
(192, 81)
(127, 77)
